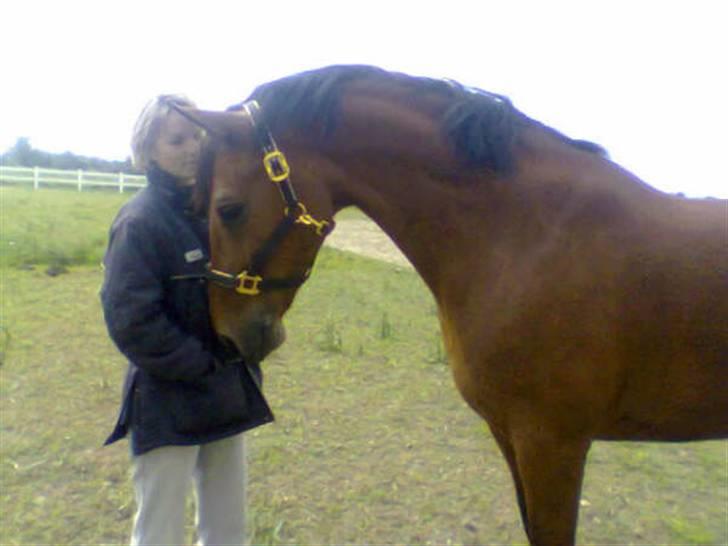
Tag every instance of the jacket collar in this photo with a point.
(168, 186)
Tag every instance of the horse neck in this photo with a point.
(449, 222)
(397, 167)
(436, 220)
(394, 163)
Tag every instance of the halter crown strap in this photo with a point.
(274, 161)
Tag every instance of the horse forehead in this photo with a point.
(238, 166)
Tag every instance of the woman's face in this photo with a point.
(177, 148)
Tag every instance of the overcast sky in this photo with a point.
(646, 79)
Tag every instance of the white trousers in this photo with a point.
(162, 479)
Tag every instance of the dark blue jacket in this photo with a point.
(178, 390)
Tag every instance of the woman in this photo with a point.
(185, 404)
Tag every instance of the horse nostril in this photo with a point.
(261, 326)
(267, 322)
(261, 336)
(255, 338)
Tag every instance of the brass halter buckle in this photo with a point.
(276, 166)
(248, 285)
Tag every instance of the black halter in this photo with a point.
(250, 282)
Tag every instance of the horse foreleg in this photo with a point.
(510, 455)
(550, 468)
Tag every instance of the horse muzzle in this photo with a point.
(257, 338)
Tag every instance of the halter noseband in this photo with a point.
(250, 281)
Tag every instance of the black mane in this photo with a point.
(482, 126)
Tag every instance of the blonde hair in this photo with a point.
(146, 128)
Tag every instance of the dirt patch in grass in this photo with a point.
(364, 237)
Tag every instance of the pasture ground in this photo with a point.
(372, 443)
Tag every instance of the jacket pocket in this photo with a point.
(215, 402)
(149, 410)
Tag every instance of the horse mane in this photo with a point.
(480, 124)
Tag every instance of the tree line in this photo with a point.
(22, 154)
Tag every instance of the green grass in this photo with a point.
(372, 443)
(62, 226)
(54, 227)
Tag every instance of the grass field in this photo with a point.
(372, 443)
(54, 227)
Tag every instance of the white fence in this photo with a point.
(40, 177)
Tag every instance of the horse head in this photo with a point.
(265, 230)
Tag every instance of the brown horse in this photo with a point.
(576, 302)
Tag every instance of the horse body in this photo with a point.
(576, 303)
(577, 277)
(571, 312)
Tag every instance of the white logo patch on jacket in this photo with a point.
(193, 255)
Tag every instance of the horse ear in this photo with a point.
(234, 127)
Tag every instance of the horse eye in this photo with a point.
(233, 212)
